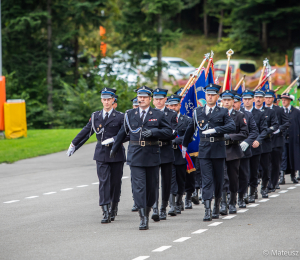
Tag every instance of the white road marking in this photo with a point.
(297, 185)
(162, 248)
(229, 217)
(95, 183)
(66, 189)
(182, 239)
(215, 224)
(125, 177)
(291, 188)
(31, 197)
(81, 186)
(264, 200)
(252, 205)
(11, 201)
(274, 196)
(141, 258)
(199, 231)
(242, 210)
(283, 191)
(48, 193)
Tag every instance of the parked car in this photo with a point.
(173, 68)
(295, 64)
(120, 56)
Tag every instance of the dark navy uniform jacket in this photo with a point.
(183, 122)
(149, 155)
(253, 132)
(262, 126)
(234, 151)
(283, 121)
(272, 126)
(104, 131)
(166, 151)
(220, 121)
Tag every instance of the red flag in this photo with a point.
(228, 83)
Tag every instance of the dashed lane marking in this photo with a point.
(182, 239)
(215, 224)
(252, 205)
(297, 185)
(31, 197)
(283, 191)
(81, 186)
(229, 217)
(66, 189)
(274, 196)
(199, 231)
(291, 188)
(264, 200)
(242, 210)
(11, 201)
(95, 183)
(141, 257)
(48, 193)
(162, 248)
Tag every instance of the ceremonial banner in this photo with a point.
(200, 84)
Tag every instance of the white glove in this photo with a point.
(244, 145)
(209, 131)
(71, 150)
(183, 151)
(277, 131)
(108, 141)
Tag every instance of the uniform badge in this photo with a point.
(166, 113)
(202, 121)
(181, 118)
(98, 129)
(150, 112)
(105, 89)
(136, 112)
(114, 114)
(157, 90)
(245, 121)
(201, 124)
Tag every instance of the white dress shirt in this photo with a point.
(230, 111)
(250, 110)
(146, 110)
(104, 113)
(271, 107)
(207, 109)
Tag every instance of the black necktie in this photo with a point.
(143, 115)
(209, 112)
(105, 118)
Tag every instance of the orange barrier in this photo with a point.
(15, 119)
(2, 101)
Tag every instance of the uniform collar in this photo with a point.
(271, 107)
(250, 110)
(109, 112)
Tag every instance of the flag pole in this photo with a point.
(265, 62)
(239, 83)
(229, 53)
(209, 63)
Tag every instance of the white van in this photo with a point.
(247, 66)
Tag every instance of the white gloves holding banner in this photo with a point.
(277, 131)
(71, 150)
(209, 131)
(183, 151)
(108, 141)
(244, 145)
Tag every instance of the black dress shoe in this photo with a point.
(195, 197)
(256, 194)
(178, 204)
(113, 210)
(241, 201)
(163, 210)
(134, 208)
(232, 203)
(252, 195)
(216, 209)
(207, 214)
(294, 180)
(172, 211)
(264, 193)
(223, 208)
(155, 214)
(277, 187)
(200, 195)
(188, 201)
(143, 219)
(246, 199)
(298, 178)
(106, 215)
(281, 178)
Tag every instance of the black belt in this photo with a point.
(164, 143)
(111, 144)
(212, 139)
(229, 142)
(144, 143)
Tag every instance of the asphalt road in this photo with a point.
(49, 210)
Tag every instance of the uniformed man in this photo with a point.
(135, 103)
(244, 169)
(272, 126)
(166, 155)
(179, 165)
(277, 139)
(256, 146)
(291, 154)
(115, 104)
(233, 150)
(146, 126)
(213, 122)
(106, 124)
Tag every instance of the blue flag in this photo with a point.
(200, 84)
(265, 87)
(188, 104)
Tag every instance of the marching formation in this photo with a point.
(245, 139)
